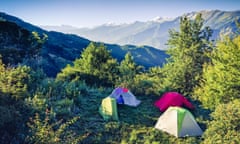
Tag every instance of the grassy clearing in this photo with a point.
(135, 125)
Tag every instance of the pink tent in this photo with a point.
(172, 99)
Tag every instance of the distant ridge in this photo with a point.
(155, 32)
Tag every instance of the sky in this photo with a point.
(91, 13)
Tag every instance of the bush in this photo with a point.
(225, 126)
(43, 131)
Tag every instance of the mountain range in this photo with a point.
(61, 49)
(154, 32)
(145, 40)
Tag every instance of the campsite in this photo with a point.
(63, 88)
(98, 99)
(134, 125)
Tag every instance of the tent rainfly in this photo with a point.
(178, 122)
(172, 99)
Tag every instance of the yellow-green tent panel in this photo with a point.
(108, 109)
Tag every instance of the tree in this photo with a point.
(187, 50)
(221, 77)
(96, 66)
(128, 70)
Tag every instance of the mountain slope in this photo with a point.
(61, 49)
(16, 43)
(155, 32)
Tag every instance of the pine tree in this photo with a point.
(187, 50)
(128, 69)
(96, 66)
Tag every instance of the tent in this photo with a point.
(178, 122)
(124, 96)
(108, 109)
(172, 99)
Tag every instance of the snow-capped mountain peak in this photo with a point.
(160, 19)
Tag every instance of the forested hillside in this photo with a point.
(60, 49)
(36, 108)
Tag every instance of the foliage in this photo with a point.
(43, 131)
(187, 50)
(220, 82)
(14, 88)
(37, 102)
(128, 69)
(14, 81)
(147, 83)
(18, 44)
(96, 66)
(61, 97)
(63, 107)
(225, 126)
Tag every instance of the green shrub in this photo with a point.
(47, 132)
(225, 126)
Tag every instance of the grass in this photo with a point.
(135, 125)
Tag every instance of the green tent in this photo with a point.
(178, 122)
(108, 109)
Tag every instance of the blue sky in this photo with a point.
(89, 13)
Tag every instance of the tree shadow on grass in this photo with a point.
(144, 114)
